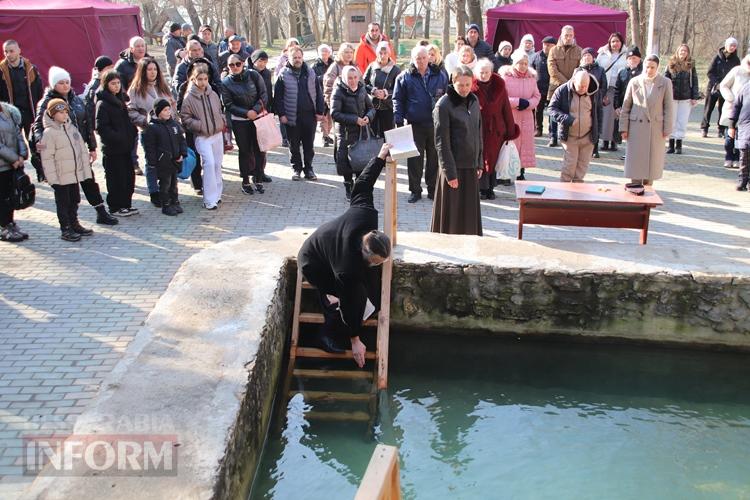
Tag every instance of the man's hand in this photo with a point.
(283, 120)
(361, 122)
(453, 183)
(252, 115)
(624, 136)
(384, 151)
(18, 163)
(358, 351)
(92, 156)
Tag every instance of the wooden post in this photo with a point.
(384, 316)
(391, 201)
(381, 481)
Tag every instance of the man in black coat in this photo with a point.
(129, 58)
(723, 61)
(341, 258)
(539, 63)
(20, 83)
(235, 47)
(481, 48)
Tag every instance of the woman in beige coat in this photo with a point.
(65, 159)
(646, 120)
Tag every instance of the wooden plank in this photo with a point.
(318, 319)
(296, 318)
(311, 352)
(381, 480)
(305, 373)
(333, 396)
(557, 214)
(587, 192)
(384, 324)
(338, 416)
(391, 201)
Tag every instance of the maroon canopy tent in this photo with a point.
(540, 18)
(68, 33)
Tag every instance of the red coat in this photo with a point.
(365, 54)
(498, 125)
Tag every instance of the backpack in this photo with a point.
(23, 193)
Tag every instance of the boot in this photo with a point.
(595, 154)
(670, 150)
(605, 147)
(69, 235)
(103, 217)
(169, 210)
(155, 201)
(348, 190)
(177, 207)
(79, 229)
(704, 132)
(678, 147)
(538, 133)
(521, 177)
(552, 143)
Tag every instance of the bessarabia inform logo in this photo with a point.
(100, 455)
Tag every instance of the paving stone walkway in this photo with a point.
(69, 310)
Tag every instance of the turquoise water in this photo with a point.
(487, 418)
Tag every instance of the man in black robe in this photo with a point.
(341, 260)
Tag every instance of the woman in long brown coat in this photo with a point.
(458, 140)
(646, 120)
(497, 122)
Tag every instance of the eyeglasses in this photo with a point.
(235, 64)
(60, 107)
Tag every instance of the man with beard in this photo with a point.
(20, 84)
(366, 50)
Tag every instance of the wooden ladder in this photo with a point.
(379, 374)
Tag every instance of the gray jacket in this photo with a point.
(12, 143)
(458, 133)
(172, 45)
(286, 90)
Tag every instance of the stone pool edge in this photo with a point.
(211, 374)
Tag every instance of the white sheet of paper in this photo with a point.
(369, 309)
(402, 144)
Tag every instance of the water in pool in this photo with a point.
(476, 417)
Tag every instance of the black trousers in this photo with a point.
(708, 108)
(6, 187)
(427, 162)
(302, 134)
(260, 156)
(196, 178)
(120, 174)
(383, 121)
(247, 143)
(92, 192)
(167, 186)
(539, 113)
(67, 198)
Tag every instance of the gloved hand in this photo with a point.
(522, 104)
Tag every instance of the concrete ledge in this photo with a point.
(205, 365)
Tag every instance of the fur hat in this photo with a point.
(54, 106)
(56, 75)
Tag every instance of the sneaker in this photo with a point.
(327, 142)
(25, 236)
(69, 235)
(83, 231)
(296, 176)
(728, 164)
(736, 164)
(265, 178)
(10, 235)
(169, 210)
(132, 211)
(259, 188)
(310, 175)
(123, 212)
(247, 189)
(210, 206)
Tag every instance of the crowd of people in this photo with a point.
(464, 111)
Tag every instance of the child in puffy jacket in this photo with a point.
(165, 146)
(66, 162)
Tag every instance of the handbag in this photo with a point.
(23, 193)
(508, 163)
(188, 164)
(364, 150)
(267, 131)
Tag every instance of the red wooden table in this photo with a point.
(585, 204)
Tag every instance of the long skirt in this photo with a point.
(608, 117)
(456, 211)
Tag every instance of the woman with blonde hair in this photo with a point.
(436, 58)
(467, 57)
(344, 57)
(681, 70)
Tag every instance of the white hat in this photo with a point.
(56, 75)
(518, 54)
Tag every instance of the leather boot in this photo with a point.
(83, 231)
(678, 147)
(670, 150)
(103, 217)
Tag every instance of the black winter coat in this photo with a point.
(113, 124)
(539, 63)
(243, 92)
(164, 143)
(267, 78)
(181, 74)
(347, 107)
(79, 117)
(684, 83)
(623, 78)
(126, 67)
(458, 133)
(224, 58)
(377, 79)
(720, 66)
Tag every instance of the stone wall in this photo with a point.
(661, 307)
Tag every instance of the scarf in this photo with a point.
(677, 65)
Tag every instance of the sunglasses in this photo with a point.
(60, 107)
(235, 64)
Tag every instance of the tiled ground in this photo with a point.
(69, 310)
